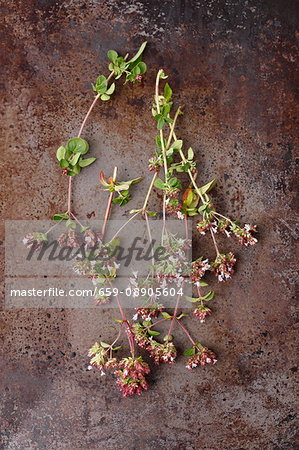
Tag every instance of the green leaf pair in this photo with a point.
(102, 89)
(206, 298)
(132, 68)
(70, 156)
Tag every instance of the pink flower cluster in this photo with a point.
(140, 335)
(162, 352)
(244, 235)
(159, 352)
(199, 268)
(69, 239)
(206, 224)
(35, 240)
(202, 357)
(131, 376)
(223, 266)
(91, 238)
(201, 312)
(148, 311)
(173, 206)
(171, 192)
(98, 356)
(155, 164)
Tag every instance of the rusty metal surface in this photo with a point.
(232, 64)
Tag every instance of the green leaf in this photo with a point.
(60, 154)
(122, 186)
(191, 212)
(173, 182)
(118, 320)
(146, 323)
(167, 338)
(111, 89)
(202, 209)
(177, 145)
(208, 297)
(134, 181)
(63, 163)
(151, 213)
(203, 284)
(189, 352)
(165, 110)
(103, 344)
(207, 187)
(159, 183)
(112, 55)
(190, 153)
(86, 162)
(71, 224)
(101, 85)
(192, 299)
(163, 76)
(76, 169)
(139, 53)
(75, 159)
(167, 92)
(59, 217)
(116, 348)
(166, 315)
(153, 333)
(136, 70)
(158, 140)
(160, 123)
(182, 315)
(142, 67)
(188, 198)
(134, 211)
(105, 97)
(77, 145)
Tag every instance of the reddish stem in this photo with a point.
(87, 115)
(80, 132)
(175, 312)
(215, 243)
(129, 334)
(156, 323)
(179, 297)
(185, 331)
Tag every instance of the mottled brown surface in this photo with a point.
(232, 64)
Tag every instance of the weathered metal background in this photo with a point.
(232, 64)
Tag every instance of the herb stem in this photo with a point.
(124, 225)
(156, 323)
(77, 220)
(149, 191)
(150, 240)
(215, 243)
(175, 312)
(123, 317)
(189, 172)
(172, 126)
(223, 217)
(109, 204)
(79, 135)
(53, 226)
(186, 332)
